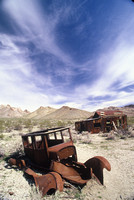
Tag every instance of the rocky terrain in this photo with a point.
(41, 112)
(6, 111)
(66, 112)
(63, 113)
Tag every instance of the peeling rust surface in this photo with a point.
(46, 182)
(59, 181)
(97, 164)
(19, 163)
(69, 173)
(78, 174)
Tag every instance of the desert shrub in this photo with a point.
(49, 124)
(45, 124)
(28, 124)
(61, 123)
(84, 139)
(130, 120)
(18, 127)
(35, 122)
(2, 126)
(69, 123)
(110, 137)
(132, 134)
(41, 126)
(8, 125)
(2, 153)
(35, 193)
(1, 136)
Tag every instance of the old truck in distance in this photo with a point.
(52, 151)
(104, 121)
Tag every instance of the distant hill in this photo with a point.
(128, 110)
(66, 112)
(129, 106)
(6, 111)
(41, 112)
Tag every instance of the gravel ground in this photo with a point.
(118, 183)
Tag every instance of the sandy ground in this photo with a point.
(118, 183)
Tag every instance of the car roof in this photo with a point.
(46, 131)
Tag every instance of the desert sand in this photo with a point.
(118, 183)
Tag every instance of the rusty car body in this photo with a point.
(104, 121)
(52, 151)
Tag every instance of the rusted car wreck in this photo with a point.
(103, 121)
(53, 152)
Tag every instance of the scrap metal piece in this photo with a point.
(19, 163)
(30, 172)
(59, 181)
(97, 164)
(47, 182)
(68, 173)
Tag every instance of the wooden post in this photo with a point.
(114, 126)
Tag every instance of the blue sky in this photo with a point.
(78, 53)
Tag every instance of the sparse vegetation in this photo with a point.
(45, 124)
(1, 136)
(82, 138)
(105, 147)
(1, 126)
(61, 123)
(9, 148)
(130, 120)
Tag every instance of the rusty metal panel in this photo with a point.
(68, 173)
(63, 151)
(66, 152)
(46, 182)
(97, 164)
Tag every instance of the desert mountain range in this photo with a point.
(41, 112)
(65, 112)
(6, 111)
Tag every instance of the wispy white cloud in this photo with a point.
(22, 83)
(40, 29)
(116, 73)
(37, 26)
